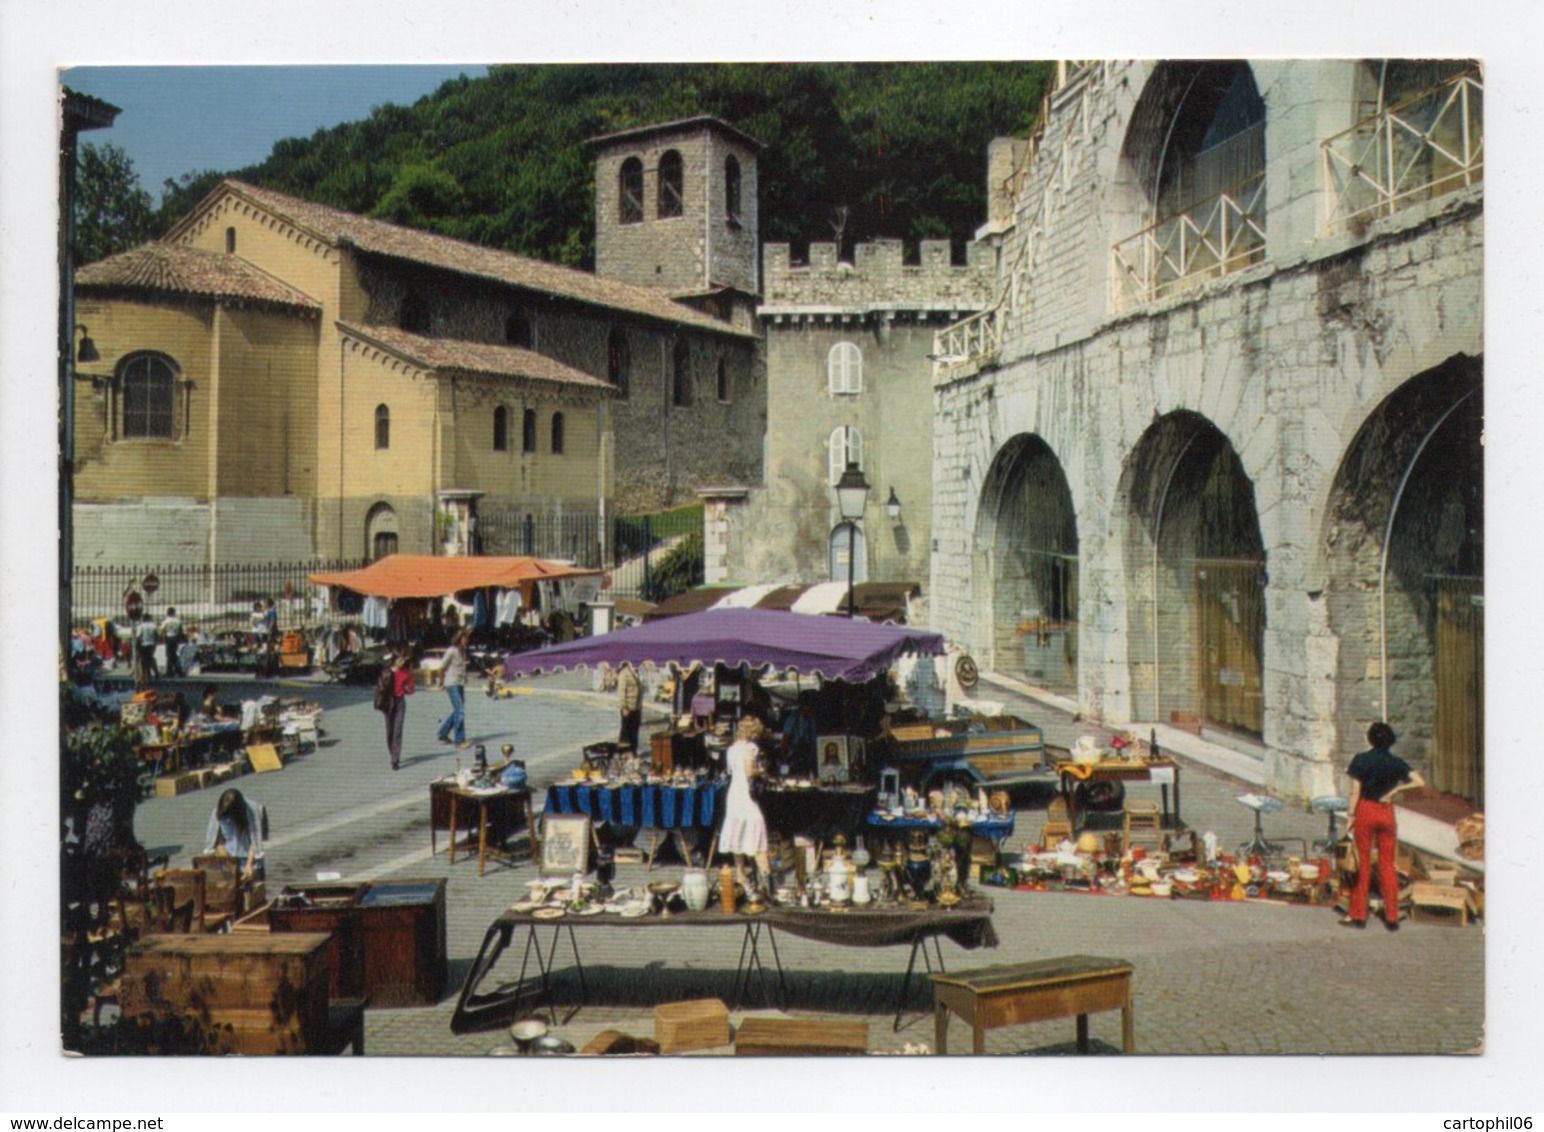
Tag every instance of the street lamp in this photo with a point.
(851, 494)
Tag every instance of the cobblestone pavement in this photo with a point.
(1248, 978)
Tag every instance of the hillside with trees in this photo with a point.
(860, 149)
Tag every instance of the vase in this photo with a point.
(918, 872)
(695, 889)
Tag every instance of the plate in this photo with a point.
(633, 911)
(590, 910)
(547, 914)
(524, 906)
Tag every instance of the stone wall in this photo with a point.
(1287, 359)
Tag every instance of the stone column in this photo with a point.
(721, 505)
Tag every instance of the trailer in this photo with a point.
(997, 752)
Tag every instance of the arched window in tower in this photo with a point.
(681, 377)
(557, 434)
(501, 429)
(844, 368)
(630, 192)
(844, 447)
(149, 385)
(382, 427)
(732, 188)
(520, 330)
(413, 316)
(230, 241)
(671, 197)
(528, 431)
(619, 362)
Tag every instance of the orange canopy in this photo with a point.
(425, 575)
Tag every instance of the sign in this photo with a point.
(151, 583)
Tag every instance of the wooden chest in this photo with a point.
(799, 1037)
(253, 993)
(697, 1024)
(332, 909)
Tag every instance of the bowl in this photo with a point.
(527, 1029)
(1162, 888)
(550, 1045)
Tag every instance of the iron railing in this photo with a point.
(572, 538)
(213, 597)
(1417, 150)
(1216, 236)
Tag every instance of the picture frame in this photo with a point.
(565, 844)
(831, 759)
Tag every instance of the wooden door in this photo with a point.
(1229, 604)
(1458, 749)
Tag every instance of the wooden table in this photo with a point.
(497, 811)
(1073, 774)
(989, 997)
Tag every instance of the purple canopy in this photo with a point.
(835, 648)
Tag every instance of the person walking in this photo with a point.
(630, 705)
(454, 681)
(391, 691)
(744, 831)
(172, 635)
(1377, 776)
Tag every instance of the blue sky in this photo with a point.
(188, 119)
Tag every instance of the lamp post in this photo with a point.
(851, 494)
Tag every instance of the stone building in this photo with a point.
(1213, 455)
(849, 380)
(277, 379)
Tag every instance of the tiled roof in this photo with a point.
(675, 127)
(176, 270)
(346, 228)
(471, 357)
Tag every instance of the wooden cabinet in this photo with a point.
(332, 909)
(403, 928)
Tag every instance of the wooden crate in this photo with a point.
(253, 993)
(1439, 903)
(696, 1024)
(171, 785)
(799, 1037)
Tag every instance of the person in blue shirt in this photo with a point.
(238, 827)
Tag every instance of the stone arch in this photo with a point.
(1026, 565)
(1196, 570)
(1404, 566)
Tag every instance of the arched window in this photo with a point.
(230, 241)
(557, 434)
(528, 431)
(414, 313)
(520, 330)
(671, 199)
(847, 543)
(149, 398)
(619, 361)
(732, 188)
(723, 381)
(630, 192)
(681, 377)
(382, 427)
(844, 447)
(501, 429)
(844, 368)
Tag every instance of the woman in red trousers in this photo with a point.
(1377, 775)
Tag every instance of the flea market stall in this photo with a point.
(421, 600)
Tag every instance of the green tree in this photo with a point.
(112, 211)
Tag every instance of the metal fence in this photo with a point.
(648, 556)
(213, 597)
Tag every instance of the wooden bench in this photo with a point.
(990, 997)
(799, 1037)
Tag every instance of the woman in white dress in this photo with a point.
(744, 831)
